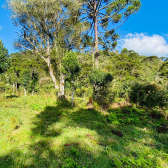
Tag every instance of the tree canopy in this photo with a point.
(103, 15)
(4, 58)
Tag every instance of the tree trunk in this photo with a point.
(84, 97)
(16, 86)
(96, 37)
(25, 92)
(13, 88)
(32, 92)
(72, 96)
(62, 85)
(93, 59)
(61, 94)
(48, 61)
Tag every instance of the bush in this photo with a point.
(100, 82)
(150, 95)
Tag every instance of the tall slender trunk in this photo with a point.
(93, 59)
(32, 92)
(16, 86)
(13, 88)
(72, 94)
(48, 61)
(25, 92)
(96, 37)
(62, 84)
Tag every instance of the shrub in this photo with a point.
(150, 95)
(100, 82)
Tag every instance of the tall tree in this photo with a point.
(102, 15)
(40, 24)
(69, 38)
(4, 58)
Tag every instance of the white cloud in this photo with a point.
(145, 45)
(0, 28)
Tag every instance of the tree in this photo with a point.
(164, 69)
(71, 69)
(69, 38)
(25, 79)
(101, 14)
(40, 25)
(26, 60)
(4, 58)
(99, 79)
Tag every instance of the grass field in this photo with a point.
(36, 131)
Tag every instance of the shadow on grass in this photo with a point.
(11, 97)
(39, 155)
(42, 155)
(46, 118)
(58, 148)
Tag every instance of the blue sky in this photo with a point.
(145, 32)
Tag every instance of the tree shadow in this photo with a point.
(46, 118)
(63, 137)
(11, 97)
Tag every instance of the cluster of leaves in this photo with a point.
(25, 70)
(70, 65)
(4, 58)
(149, 95)
(99, 80)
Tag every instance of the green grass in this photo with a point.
(36, 131)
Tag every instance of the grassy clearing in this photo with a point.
(37, 132)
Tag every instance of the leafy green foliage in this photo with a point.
(99, 78)
(70, 65)
(150, 95)
(164, 69)
(4, 58)
(71, 69)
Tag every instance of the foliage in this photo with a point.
(4, 58)
(100, 14)
(164, 69)
(70, 65)
(99, 78)
(45, 27)
(150, 95)
(71, 69)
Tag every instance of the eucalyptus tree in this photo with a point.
(102, 16)
(40, 24)
(69, 38)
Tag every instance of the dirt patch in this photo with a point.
(120, 105)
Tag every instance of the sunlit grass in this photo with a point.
(36, 131)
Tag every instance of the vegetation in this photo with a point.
(118, 113)
(4, 61)
(71, 69)
(101, 14)
(40, 132)
(127, 126)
